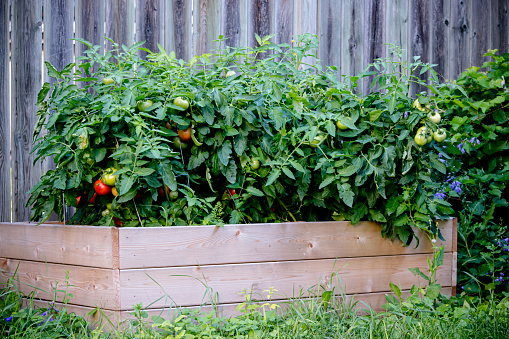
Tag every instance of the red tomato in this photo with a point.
(160, 191)
(92, 200)
(185, 134)
(101, 188)
(231, 192)
(117, 222)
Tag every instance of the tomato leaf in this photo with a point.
(274, 174)
(225, 152)
(254, 191)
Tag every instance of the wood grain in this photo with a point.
(397, 26)
(119, 16)
(206, 25)
(329, 32)
(185, 286)
(283, 21)
(260, 22)
(149, 24)
(191, 245)
(94, 287)
(26, 79)
(440, 32)
(89, 24)
(352, 40)
(480, 34)
(73, 245)
(460, 37)
(500, 25)
(178, 28)
(375, 35)
(230, 25)
(5, 115)
(420, 38)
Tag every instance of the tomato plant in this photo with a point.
(194, 133)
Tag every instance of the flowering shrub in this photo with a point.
(478, 117)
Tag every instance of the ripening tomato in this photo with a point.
(439, 135)
(160, 191)
(420, 139)
(185, 134)
(255, 164)
(434, 117)
(114, 191)
(182, 103)
(109, 177)
(108, 81)
(117, 222)
(101, 188)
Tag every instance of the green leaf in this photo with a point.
(348, 171)
(167, 175)
(328, 180)
(254, 191)
(230, 171)
(297, 166)
(377, 216)
(225, 152)
(198, 159)
(144, 171)
(288, 172)
(375, 114)
(359, 211)
(346, 194)
(60, 181)
(235, 217)
(274, 174)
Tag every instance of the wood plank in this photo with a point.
(420, 38)
(260, 21)
(206, 25)
(230, 25)
(5, 114)
(26, 80)
(305, 15)
(89, 16)
(397, 26)
(375, 36)
(500, 25)
(94, 287)
(330, 22)
(440, 31)
(178, 28)
(460, 37)
(149, 24)
(480, 34)
(352, 29)
(283, 21)
(191, 245)
(119, 16)
(185, 286)
(454, 272)
(73, 245)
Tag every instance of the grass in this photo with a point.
(325, 315)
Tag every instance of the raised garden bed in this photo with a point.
(116, 268)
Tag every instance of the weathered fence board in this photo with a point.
(451, 33)
(149, 24)
(119, 18)
(26, 79)
(481, 29)
(89, 16)
(440, 31)
(459, 58)
(5, 109)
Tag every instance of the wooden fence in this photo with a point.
(451, 33)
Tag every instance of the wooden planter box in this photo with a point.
(116, 268)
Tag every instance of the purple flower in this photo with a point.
(472, 140)
(405, 115)
(440, 195)
(439, 155)
(501, 274)
(8, 319)
(478, 142)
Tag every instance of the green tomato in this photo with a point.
(179, 143)
(182, 103)
(341, 125)
(317, 141)
(105, 212)
(108, 206)
(144, 105)
(108, 81)
(417, 105)
(255, 164)
(108, 177)
(174, 195)
(439, 135)
(420, 139)
(434, 117)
